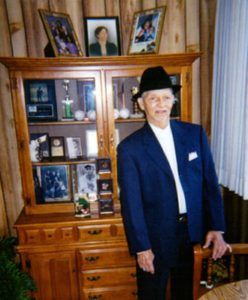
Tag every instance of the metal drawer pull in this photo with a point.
(94, 232)
(134, 293)
(95, 297)
(32, 237)
(133, 275)
(93, 278)
(91, 259)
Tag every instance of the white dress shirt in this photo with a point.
(166, 141)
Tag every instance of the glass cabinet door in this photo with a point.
(65, 133)
(124, 115)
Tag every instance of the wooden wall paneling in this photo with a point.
(192, 23)
(207, 25)
(173, 36)
(147, 4)
(35, 31)
(5, 42)
(75, 10)
(3, 216)
(127, 10)
(94, 8)
(9, 163)
(112, 8)
(16, 27)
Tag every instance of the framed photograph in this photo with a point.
(40, 100)
(102, 36)
(74, 147)
(103, 165)
(105, 186)
(57, 148)
(55, 183)
(146, 31)
(86, 93)
(106, 206)
(60, 33)
(86, 178)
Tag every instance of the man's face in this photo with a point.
(157, 105)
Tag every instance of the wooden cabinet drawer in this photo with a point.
(49, 235)
(99, 258)
(108, 277)
(128, 292)
(100, 232)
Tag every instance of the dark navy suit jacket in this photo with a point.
(148, 193)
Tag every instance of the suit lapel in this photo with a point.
(180, 141)
(154, 149)
(156, 153)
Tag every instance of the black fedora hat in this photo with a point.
(155, 79)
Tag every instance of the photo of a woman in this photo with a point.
(102, 36)
(102, 47)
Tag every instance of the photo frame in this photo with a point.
(86, 178)
(57, 147)
(74, 147)
(105, 186)
(103, 165)
(86, 93)
(106, 29)
(55, 183)
(40, 100)
(61, 34)
(106, 206)
(146, 31)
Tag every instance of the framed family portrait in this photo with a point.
(146, 31)
(55, 183)
(40, 100)
(60, 33)
(102, 36)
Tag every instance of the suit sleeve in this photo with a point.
(212, 198)
(131, 202)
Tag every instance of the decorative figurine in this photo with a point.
(67, 103)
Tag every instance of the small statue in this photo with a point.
(67, 103)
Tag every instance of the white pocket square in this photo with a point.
(192, 155)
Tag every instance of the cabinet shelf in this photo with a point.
(62, 162)
(61, 123)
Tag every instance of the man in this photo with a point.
(169, 193)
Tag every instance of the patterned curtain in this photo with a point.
(230, 96)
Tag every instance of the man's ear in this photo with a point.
(141, 103)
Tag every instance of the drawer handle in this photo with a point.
(94, 232)
(133, 275)
(49, 235)
(95, 297)
(92, 259)
(67, 233)
(93, 278)
(134, 293)
(32, 237)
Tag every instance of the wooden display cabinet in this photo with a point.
(69, 257)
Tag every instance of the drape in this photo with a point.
(229, 136)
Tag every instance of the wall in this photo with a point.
(188, 26)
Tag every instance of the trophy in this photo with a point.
(67, 103)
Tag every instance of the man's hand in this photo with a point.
(145, 261)
(219, 245)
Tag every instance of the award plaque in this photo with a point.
(40, 100)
